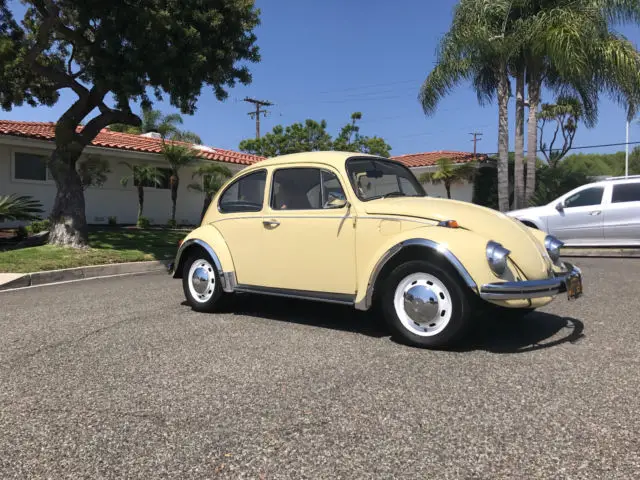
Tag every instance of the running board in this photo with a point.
(339, 298)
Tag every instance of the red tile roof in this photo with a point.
(430, 158)
(120, 141)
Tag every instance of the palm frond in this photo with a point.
(19, 207)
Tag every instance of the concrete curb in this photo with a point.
(601, 252)
(95, 271)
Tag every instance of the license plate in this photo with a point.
(574, 287)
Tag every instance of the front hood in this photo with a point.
(526, 251)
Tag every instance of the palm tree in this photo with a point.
(479, 47)
(449, 174)
(142, 176)
(19, 207)
(165, 125)
(213, 177)
(571, 48)
(178, 155)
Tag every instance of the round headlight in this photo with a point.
(497, 257)
(553, 246)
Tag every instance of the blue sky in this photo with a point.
(327, 59)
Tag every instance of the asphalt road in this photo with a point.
(117, 378)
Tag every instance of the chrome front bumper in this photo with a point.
(531, 288)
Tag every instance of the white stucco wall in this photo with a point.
(463, 191)
(112, 199)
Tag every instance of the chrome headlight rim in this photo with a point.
(497, 257)
(553, 247)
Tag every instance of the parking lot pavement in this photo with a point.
(117, 378)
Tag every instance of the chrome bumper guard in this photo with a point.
(531, 288)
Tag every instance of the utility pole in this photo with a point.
(475, 141)
(626, 155)
(257, 112)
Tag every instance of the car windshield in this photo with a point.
(373, 178)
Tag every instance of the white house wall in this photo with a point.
(111, 199)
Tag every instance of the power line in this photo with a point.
(583, 147)
(256, 114)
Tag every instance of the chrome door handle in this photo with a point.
(270, 223)
(595, 212)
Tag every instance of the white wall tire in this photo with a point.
(201, 283)
(425, 305)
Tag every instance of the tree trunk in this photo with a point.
(68, 220)
(518, 167)
(532, 138)
(448, 189)
(140, 202)
(207, 201)
(174, 196)
(503, 141)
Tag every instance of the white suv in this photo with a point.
(600, 213)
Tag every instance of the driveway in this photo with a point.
(118, 378)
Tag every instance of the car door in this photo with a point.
(309, 237)
(240, 223)
(622, 214)
(579, 218)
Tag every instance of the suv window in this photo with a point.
(245, 194)
(305, 189)
(585, 198)
(626, 192)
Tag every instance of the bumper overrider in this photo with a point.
(569, 281)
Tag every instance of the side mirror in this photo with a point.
(335, 202)
(560, 206)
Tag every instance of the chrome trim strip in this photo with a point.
(530, 288)
(227, 279)
(338, 298)
(365, 303)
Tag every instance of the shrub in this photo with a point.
(113, 221)
(22, 233)
(143, 222)
(172, 224)
(40, 226)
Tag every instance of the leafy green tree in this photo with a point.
(93, 172)
(142, 176)
(178, 156)
(110, 54)
(565, 113)
(212, 177)
(19, 207)
(449, 173)
(554, 182)
(312, 136)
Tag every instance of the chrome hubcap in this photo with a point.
(423, 304)
(202, 281)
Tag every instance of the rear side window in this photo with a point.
(244, 195)
(626, 192)
(585, 198)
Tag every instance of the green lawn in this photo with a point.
(106, 246)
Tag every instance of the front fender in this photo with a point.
(464, 250)
(208, 238)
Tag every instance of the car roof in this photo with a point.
(333, 158)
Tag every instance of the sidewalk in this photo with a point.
(18, 280)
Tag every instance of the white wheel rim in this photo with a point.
(423, 304)
(202, 281)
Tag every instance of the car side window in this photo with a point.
(585, 198)
(244, 195)
(626, 192)
(333, 195)
(296, 189)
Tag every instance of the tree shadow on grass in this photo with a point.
(535, 331)
(161, 243)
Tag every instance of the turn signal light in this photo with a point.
(449, 224)
(180, 242)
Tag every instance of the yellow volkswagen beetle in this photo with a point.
(360, 230)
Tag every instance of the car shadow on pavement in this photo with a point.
(535, 331)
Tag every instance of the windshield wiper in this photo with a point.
(393, 194)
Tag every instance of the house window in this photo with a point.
(32, 167)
